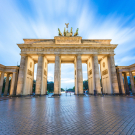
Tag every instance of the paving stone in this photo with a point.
(68, 115)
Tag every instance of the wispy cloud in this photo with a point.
(41, 19)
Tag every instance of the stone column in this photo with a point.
(21, 76)
(6, 85)
(1, 82)
(79, 74)
(57, 75)
(46, 77)
(132, 82)
(60, 77)
(75, 76)
(16, 78)
(113, 75)
(39, 75)
(96, 74)
(12, 87)
(126, 84)
(121, 83)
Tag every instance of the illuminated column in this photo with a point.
(57, 68)
(39, 75)
(6, 86)
(132, 82)
(96, 74)
(113, 75)
(12, 87)
(75, 76)
(60, 78)
(121, 83)
(46, 77)
(79, 74)
(21, 76)
(1, 82)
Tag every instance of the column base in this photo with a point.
(81, 94)
(37, 95)
(5, 95)
(56, 95)
(116, 93)
(15, 95)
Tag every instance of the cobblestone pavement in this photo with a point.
(75, 115)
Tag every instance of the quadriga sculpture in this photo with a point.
(60, 34)
(71, 33)
(76, 33)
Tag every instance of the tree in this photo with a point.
(85, 84)
(62, 89)
(50, 86)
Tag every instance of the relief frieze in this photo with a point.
(91, 50)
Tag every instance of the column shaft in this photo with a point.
(20, 83)
(46, 78)
(57, 88)
(39, 75)
(132, 82)
(79, 75)
(121, 83)
(126, 84)
(7, 84)
(75, 76)
(12, 87)
(96, 74)
(113, 75)
(1, 82)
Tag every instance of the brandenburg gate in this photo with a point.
(67, 48)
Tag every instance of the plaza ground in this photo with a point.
(68, 115)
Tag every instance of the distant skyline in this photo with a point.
(96, 19)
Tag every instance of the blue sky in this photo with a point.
(96, 19)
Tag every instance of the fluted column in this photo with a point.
(39, 75)
(12, 87)
(46, 77)
(75, 76)
(132, 82)
(121, 83)
(57, 88)
(6, 85)
(126, 84)
(79, 74)
(1, 82)
(21, 76)
(96, 74)
(113, 75)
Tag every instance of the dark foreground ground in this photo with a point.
(67, 115)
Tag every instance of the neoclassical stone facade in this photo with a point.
(122, 73)
(10, 72)
(63, 49)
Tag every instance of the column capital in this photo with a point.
(40, 54)
(78, 54)
(130, 72)
(58, 55)
(23, 54)
(111, 54)
(120, 72)
(7, 73)
(94, 54)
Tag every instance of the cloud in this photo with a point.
(41, 19)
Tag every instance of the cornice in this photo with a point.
(67, 45)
